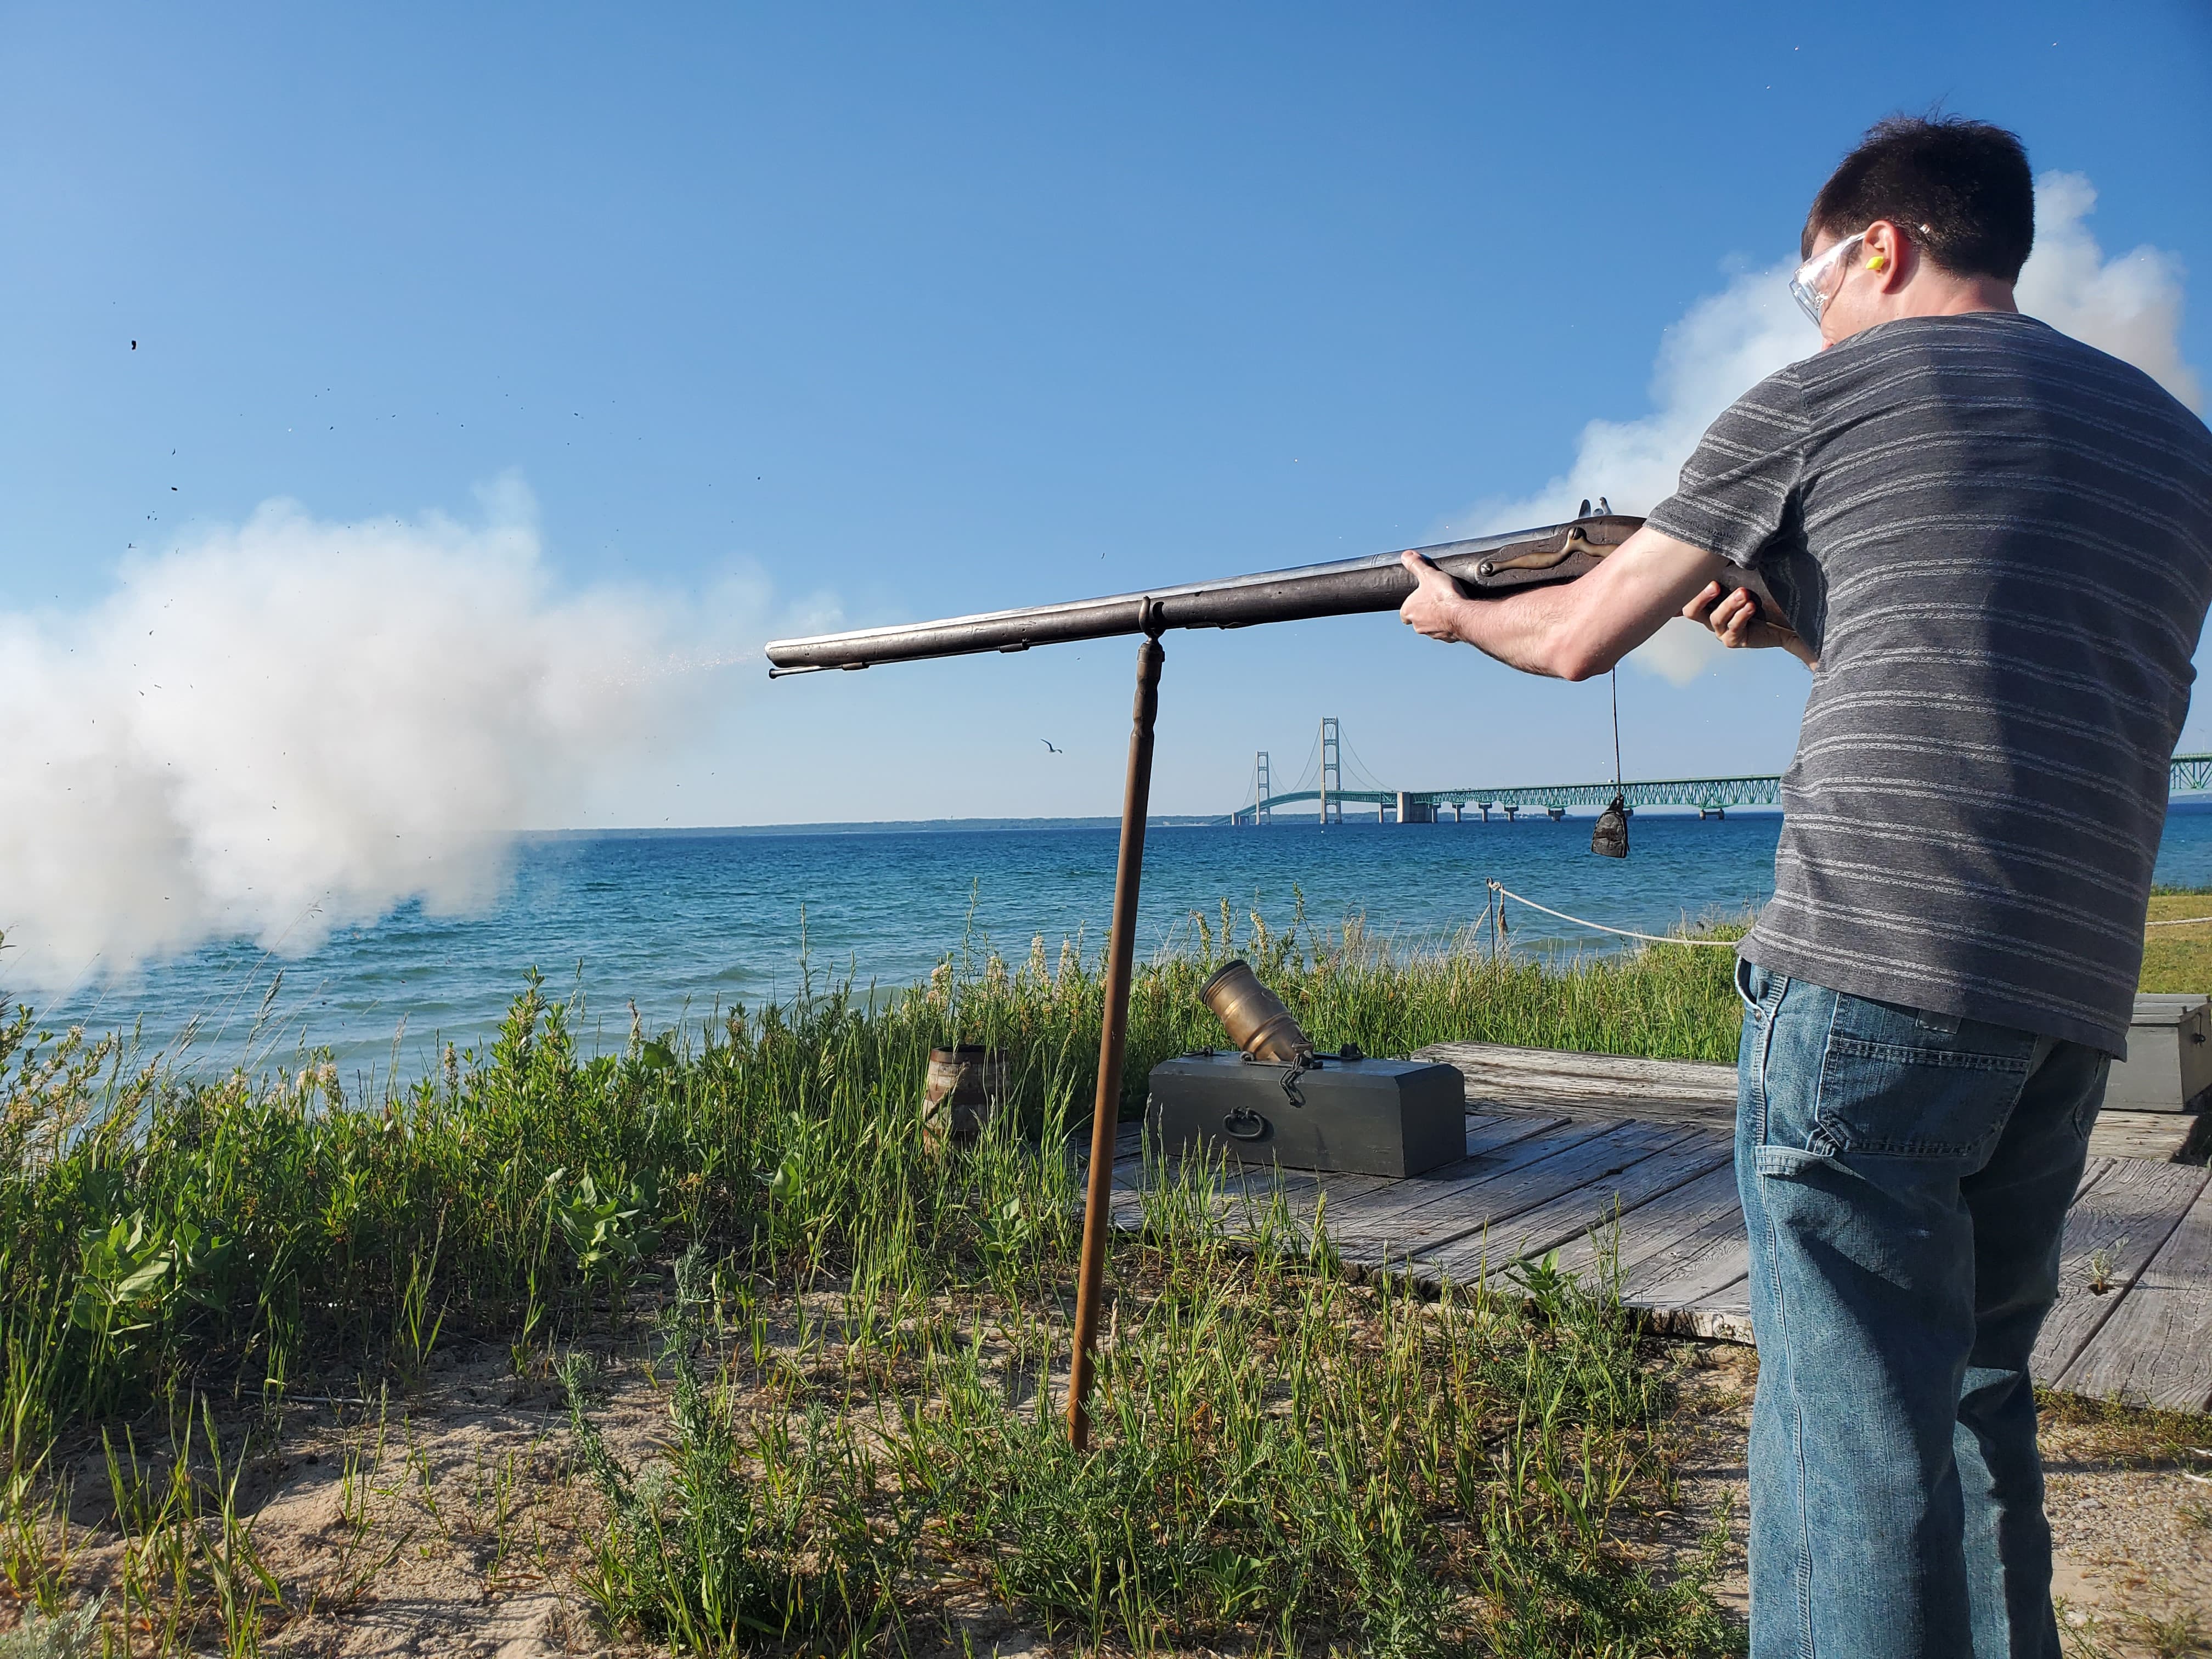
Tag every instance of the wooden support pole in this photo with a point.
(1114, 1029)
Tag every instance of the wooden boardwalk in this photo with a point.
(1586, 1154)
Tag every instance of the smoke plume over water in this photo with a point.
(292, 725)
(2128, 305)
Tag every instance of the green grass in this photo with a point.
(1283, 1461)
(158, 1231)
(1281, 1453)
(2178, 959)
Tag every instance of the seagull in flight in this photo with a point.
(1048, 743)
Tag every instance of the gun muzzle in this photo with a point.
(1254, 1016)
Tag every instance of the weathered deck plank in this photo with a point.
(1500, 1076)
(1651, 1228)
(1627, 1163)
(1572, 1214)
(1493, 1132)
(1511, 1076)
(1251, 1189)
(1528, 1174)
(2155, 1347)
(1453, 1180)
(1703, 1092)
(1701, 1263)
(2123, 1211)
(2166, 1137)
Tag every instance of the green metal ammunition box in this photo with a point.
(1385, 1117)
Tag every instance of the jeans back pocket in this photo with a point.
(1895, 1082)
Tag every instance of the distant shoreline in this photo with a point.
(1166, 821)
(883, 827)
(982, 826)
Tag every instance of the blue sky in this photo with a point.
(916, 311)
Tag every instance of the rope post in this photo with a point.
(1113, 1028)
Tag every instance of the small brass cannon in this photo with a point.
(1254, 1017)
(1275, 1098)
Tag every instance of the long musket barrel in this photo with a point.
(1488, 564)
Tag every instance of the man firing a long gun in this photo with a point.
(1990, 543)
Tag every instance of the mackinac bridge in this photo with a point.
(1340, 789)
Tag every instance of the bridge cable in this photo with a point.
(1358, 768)
(1309, 771)
(1504, 891)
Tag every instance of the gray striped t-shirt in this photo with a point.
(1999, 541)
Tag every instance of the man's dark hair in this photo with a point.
(1961, 189)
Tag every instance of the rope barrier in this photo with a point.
(1723, 944)
(1625, 932)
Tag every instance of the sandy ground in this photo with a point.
(2132, 1528)
(450, 1523)
(453, 1523)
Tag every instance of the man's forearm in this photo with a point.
(1575, 629)
(1534, 630)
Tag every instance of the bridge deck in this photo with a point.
(1584, 1153)
(2185, 774)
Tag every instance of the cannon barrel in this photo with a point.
(1486, 564)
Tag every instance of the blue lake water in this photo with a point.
(681, 923)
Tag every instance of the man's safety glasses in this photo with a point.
(1819, 277)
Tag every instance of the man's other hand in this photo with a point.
(1734, 615)
(1433, 607)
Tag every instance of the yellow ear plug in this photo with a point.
(1879, 261)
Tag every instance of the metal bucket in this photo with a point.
(1254, 1016)
(964, 1088)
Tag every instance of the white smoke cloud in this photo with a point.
(293, 725)
(2129, 305)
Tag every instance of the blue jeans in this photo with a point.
(1905, 1178)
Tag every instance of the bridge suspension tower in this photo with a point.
(1263, 789)
(1332, 772)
